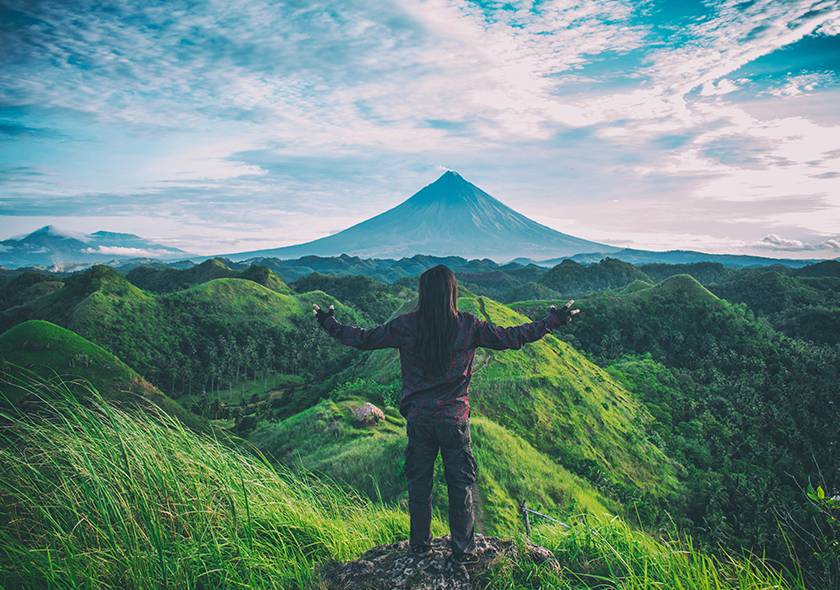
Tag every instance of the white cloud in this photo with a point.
(779, 243)
(719, 88)
(123, 251)
(802, 84)
(203, 88)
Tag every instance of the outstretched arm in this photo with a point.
(383, 336)
(488, 335)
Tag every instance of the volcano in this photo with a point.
(450, 217)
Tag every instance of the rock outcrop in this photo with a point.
(367, 415)
(393, 567)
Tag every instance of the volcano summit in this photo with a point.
(450, 217)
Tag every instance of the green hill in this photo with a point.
(565, 406)
(53, 353)
(325, 439)
(736, 401)
(26, 286)
(103, 498)
(803, 304)
(705, 272)
(572, 278)
(827, 268)
(163, 279)
(205, 337)
(377, 300)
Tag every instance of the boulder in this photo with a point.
(367, 415)
(393, 567)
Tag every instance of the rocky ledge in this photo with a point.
(393, 567)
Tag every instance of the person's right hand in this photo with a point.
(320, 314)
(565, 314)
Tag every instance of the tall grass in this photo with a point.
(97, 496)
(606, 553)
(94, 496)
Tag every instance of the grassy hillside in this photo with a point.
(571, 278)
(749, 411)
(377, 300)
(559, 402)
(205, 337)
(48, 352)
(107, 498)
(804, 304)
(162, 279)
(324, 439)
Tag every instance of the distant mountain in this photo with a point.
(50, 247)
(678, 257)
(451, 216)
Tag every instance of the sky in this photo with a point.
(223, 126)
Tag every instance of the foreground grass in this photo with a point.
(93, 496)
(608, 554)
(100, 497)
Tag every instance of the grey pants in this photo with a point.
(425, 437)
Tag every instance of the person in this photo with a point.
(437, 345)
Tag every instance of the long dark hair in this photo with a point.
(437, 309)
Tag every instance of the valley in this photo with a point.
(682, 401)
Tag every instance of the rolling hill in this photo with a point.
(324, 439)
(37, 352)
(562, 404)
(449, 216)
(259, 526)
(737, 402)
(163, 279)
(204, 336)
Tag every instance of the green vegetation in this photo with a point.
(746, 410)
(695, 408)
(562, 404)
(103, 497)
(107, 498)
(376, 300)
(324, 439)
(208, 337)
(43, 352)
(601, 553)
(804, 305)
(163, 279)
(571, 278)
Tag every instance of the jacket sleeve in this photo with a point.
(487, 335)
(387, 335)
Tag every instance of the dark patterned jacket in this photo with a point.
(444, 396)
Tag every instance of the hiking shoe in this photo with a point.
(420, 550)
(465, 558)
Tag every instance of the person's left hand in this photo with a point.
(565, 313)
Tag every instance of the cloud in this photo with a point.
(123, 251)
(289, 119)
(776, 242)
(779, 243)
(803, 84)
(719, 88)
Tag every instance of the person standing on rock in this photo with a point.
(437, 345)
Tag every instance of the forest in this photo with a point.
(690, 401)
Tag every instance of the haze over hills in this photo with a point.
(55, 248)
(451, 216)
